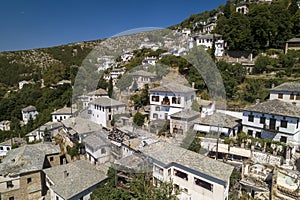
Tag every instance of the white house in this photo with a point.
(143, 77)
(62, 114)
(29, 112)
(207, 41)
(103, 109)
(169, 99)
(207, 29)
(273, 119)
(149, 61)
(242, 8)
(288, 92)
(5, 147)
(22, 83)
(38, 134)
(97, 147)
(115, 73)
(126, 56)
(5, 125)
(105, 62)
(86, 99)
(219, 123)
(194, 175)
(76, 180)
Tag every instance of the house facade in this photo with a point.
(195, 176)
(21, 171)
(149, 61)
(207, 40)
(5, 125)
(182, 121)
(274, 119)
(97, 147)
(143, 77)
(287, 92)
(73, 181)
(292, 44)
(169, 99)
(29, 112)
(102, 109)
(62, 114)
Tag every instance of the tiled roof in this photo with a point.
(219, 119)
(81, 125)
(276, 107)
(294, 40)
(80, 176)
(65, 110)
(27, 158)
(96, 140)
(107, 102)
(287, 87)
(143, 73)
(173, 87)
(185, 114)
(29, 109)
(98, 92)
(169, 154)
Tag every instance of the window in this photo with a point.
(283, 139)
(51, 159)
(280, 96)
(250, 132)
(109, 117)
(1, 148)
(298, 97)
(181, 174)
(262, 120)
(283, 123)
(203, 184)
(155, 98)
(250, 118)
(291, 96)
(29, 180)
(9, 184)
(258, 134)
(11, 198)
(103, 151)
(176, 187)
(155, 115)
(185, 190)
(157, 108)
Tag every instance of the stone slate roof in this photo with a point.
(169, 154)
(29, 109)
(64, 110)
(107, 102)
(207, 36)
(28, 158)
(143, 73)
(81, 125)
(276, 107)
(185, 114)
(220, 119)
(294, 40)
(174, 88)
(81, 175)
(133, 163)
(96, 140)
(287, 87)
(99, 92)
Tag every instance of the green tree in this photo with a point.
(110, 88)
(261, 64)
(227, 9)
(138, 119)
(134, 86)
(293, 7)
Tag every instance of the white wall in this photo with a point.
(285, 97)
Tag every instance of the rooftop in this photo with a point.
(74, 178)
(221, 119)
(27, 158)
(185, 114)
(294, 40)
(134, 162)
(208, 36)
(64, 110)
(96, 140)
(169, 154)
(29, 109)
(107, 102)
(99, 92)
(287, 87)
(143, 73)
(276, 107)
(81, 125)
(173, 87)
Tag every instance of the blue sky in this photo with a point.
(27, 24)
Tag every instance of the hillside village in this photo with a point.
(144, 116)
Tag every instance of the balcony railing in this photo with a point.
(272, 129)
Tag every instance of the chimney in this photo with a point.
(294, 103)
(257, 101)
(66, 174)
(273, 85)
(193, 85)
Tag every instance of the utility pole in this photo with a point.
(217, 148)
